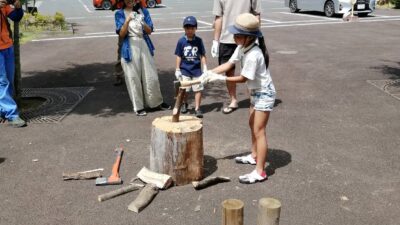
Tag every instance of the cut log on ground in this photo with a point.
(162, 181)
(81, 176)
(232, 212)
(120, 191)
(177, 148)
(209, 181)
(144, 198)
(269, 210)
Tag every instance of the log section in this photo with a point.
(269, 210)
(177, 148)
(232, 212)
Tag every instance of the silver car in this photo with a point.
(332, 7)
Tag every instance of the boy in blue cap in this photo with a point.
(190, 55)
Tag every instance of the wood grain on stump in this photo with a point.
(232, 212)
(177, 148)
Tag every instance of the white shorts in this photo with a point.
(194, 88)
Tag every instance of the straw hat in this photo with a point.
(246, 24)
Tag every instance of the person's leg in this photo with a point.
(133, 78)
(253, 138)
(259, 133)
(197, 99)
(8, 106)
(225, 53)
(232, 89)
(151, 84)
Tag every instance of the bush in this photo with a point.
(396, 3)
(39, 21)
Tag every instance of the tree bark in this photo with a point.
(144, 198)
(120, 191)
(177, 148)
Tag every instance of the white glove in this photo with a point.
(215, 49)
(178, 74)
(216, 77)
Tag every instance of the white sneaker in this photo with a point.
(247, 159)
(253, 177)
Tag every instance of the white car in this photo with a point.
(332, 7)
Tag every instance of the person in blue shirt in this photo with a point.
(8, 107)
(190, 55)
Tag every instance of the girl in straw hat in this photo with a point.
(254, 62)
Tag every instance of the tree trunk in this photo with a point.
(177, 148)
(17, 76)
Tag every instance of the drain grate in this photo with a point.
(59, 102)
(391, 87)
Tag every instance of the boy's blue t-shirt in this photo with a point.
(190, 52)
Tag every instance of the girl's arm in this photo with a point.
(236, 79)
(124, 29)
(223, 68)
(147, 29)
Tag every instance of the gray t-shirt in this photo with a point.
(229, 10)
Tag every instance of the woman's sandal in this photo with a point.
(229, 110)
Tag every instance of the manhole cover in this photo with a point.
(58, 103)
(392, 87)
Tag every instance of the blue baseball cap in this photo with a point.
(190, 21)
(246, 24)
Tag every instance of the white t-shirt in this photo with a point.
(229, 10)
(252, 65)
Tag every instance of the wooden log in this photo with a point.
(120, 191)
(162, 181)
(232, 212)
(177, 148)
(81, 176)
(144, 198)
(209, 181)
(269, 210)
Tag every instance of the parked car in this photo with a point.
(332, 7)
(108, 4)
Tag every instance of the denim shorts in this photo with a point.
(262, 100)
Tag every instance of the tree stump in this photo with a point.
(269, 210)
(232, 212)
(177, 148)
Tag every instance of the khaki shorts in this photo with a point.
(194, 88)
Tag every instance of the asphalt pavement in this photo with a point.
(333, 138)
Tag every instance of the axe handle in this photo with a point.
(178, 103)
(189, 83)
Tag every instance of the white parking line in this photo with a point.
(177, 30)
(85, 6)
(271, 21)
(203, 22)
(305, 15)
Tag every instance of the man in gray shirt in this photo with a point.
(223, 46)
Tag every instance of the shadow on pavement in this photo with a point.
(392, 71)
(277, 158)
(210, 165)
(2, 160)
